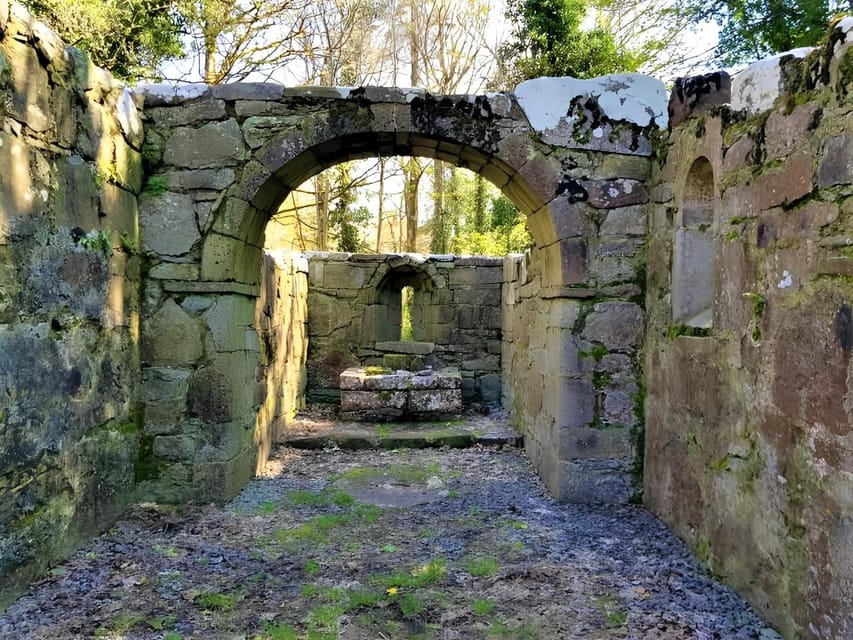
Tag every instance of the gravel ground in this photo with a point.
(439, 544)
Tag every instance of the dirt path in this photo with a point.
(437, 543)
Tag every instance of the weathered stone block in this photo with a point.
(168, 223)
(836, 164)
(595, 482)
(617, 325)
(783, 133)
(29, 98)
(698, 94)
(588, 443)
(608, 194)
(422, 402)
(179, 116)
(211, 145)
(171, 337)
(772, 189)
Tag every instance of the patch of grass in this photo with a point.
(361, 598)
(410, 605)
(320, 499)
(311, 567)
(376, 371)
(613, 610)
(124, 622)
(389, 548)
(160, 623)
(482, 607)
(482, 566)
(216, 601)
(173, 635)
(370, 513)
(265, 508)
(278, 631)
(430, 573)
(315, 531)
(325, 618)
(406, 473)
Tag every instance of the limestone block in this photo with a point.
(571, 401)
(491, 386)
(258, 130)
(227, 321)
(248, 91)
(164, 393)
(617, 325)
(120, 215)
(434, 401)
(223, 390)
(212, 145)
(619, 408)
(129, 119)
(187, 114)
(608, 194)
(616, 165)
(171, 337)
(388, 402)
(405, 346)
(76, 197)
(741, 153)
(29, 95)
(588, 443)
(696, 95)
(4, 14)
(168, 223)
(625, 221)
(783, 133)
(595, 482)
(777, 187)
(165, 94)
(127, 164)
(215, 179)
(756, 88)
(836, 163)
(174, 447)
(177, 271)
(221, 481)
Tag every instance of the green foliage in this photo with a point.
(482, 607)
(483, 566)
(221, 601)
(155, 185)
(130, 38)
(676, 330)
(279, 631)
(753, 29)
(98, 241)
(548, 40)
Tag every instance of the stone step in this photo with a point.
(460, 433)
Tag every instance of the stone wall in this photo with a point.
(749, 447)
(70, 169)
(354, 317)
(281, 317)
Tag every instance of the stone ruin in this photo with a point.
(681, 332)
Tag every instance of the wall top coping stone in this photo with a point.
(630, 97)
(756, 88)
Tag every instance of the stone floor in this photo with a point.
(378, 544)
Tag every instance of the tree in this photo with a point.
(235, 38)
(548, 40)
(131, 38)
(753, 29)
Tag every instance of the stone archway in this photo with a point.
(572, 155)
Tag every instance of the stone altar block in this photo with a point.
(377, 393)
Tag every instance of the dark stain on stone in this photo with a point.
(72, 383)
(843, 327)
(574, 188)
(762, 235)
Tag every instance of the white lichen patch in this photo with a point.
(627, 97)
(756, 88)
(786, 280)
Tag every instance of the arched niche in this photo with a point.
(693, 249)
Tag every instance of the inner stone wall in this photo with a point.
(749, 444)
(70, 445)
(456, 318)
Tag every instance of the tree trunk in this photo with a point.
(322, 186)
(381, 200)
(412, 175)
(440, 226)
